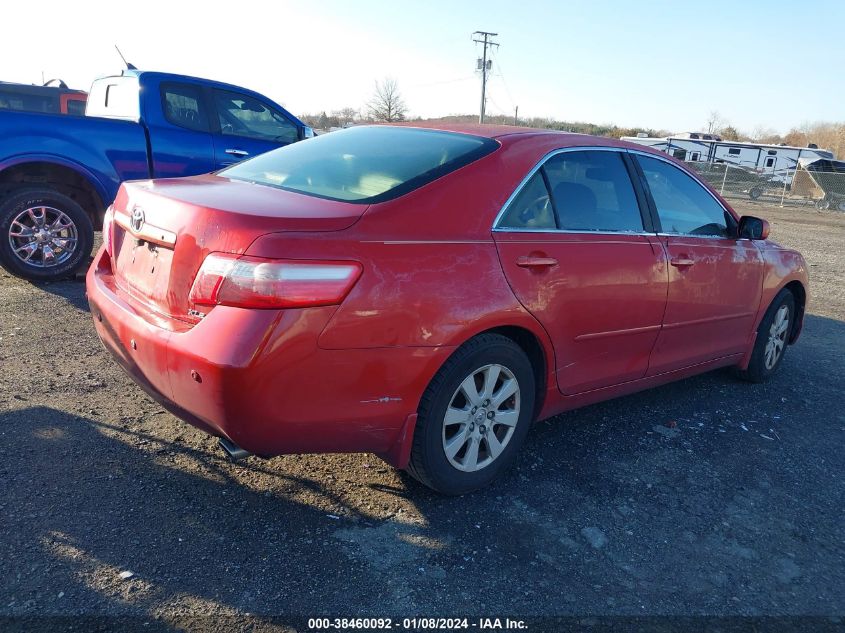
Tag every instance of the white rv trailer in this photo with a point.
(774, 162)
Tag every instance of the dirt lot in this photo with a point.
(736, 511)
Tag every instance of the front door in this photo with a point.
(247, 127)
(575, 250)
(715, 279)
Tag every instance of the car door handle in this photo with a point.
(536, 262)
(681, 262)
(237, 152)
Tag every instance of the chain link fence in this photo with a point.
(799, 186)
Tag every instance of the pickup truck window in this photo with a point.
(28, 103)
(241, 115)
(183, 106)
(76, 107)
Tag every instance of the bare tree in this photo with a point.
(387, 103)
(714, 121)
(346, 115)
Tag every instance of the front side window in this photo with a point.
(183, 107)
(531, 208)
(592, 191)
(363, 164)
(241, 115)
(683, 204)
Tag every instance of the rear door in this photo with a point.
(578, 252)
(715, 279)
(181, 141)
(245, 126)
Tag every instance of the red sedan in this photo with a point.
(425, 294)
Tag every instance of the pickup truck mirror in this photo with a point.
(751, 228)
(307, 132)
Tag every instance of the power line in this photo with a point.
(501, 75)
(487, 41)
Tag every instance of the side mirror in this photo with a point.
(307, 132)
(751, 228)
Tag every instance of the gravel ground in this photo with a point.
(737, 510)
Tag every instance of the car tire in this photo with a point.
(823, 204)
(464, 440)
(755, 193)
(772, 339)
(67, 235)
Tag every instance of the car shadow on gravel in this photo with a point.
(709, 495)
(96, 507)
(72, 291)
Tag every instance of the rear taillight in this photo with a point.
(108, 222)
(253, 282)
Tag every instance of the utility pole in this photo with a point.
(516, 115)
(484, 65)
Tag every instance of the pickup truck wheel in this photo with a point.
(474, 416)
(44, 235)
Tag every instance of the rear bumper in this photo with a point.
(258, 377)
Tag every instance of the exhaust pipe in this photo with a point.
(235, 452)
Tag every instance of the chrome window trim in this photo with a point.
(570, 232)
(695, 237)
(563, 150)
(498, 229)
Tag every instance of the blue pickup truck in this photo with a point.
(59, 173)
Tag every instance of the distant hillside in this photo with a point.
(613, 131)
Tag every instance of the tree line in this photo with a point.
(387, 105)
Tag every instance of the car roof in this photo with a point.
(513, 133)
(485, 130)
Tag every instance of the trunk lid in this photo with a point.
(164, 229)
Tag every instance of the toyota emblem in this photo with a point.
(137, 220)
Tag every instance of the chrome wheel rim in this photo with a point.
(43, 236)
(777, 337)
(481, 418)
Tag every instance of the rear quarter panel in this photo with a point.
(431, 272)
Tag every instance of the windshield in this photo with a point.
(363, 164)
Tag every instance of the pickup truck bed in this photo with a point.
(59, 173)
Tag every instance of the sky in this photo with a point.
(654, 64)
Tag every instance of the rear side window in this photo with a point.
(531, 208)
(683, 204)
(363, 164)
(592, 191)
(183, 106)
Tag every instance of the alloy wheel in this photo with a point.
(481, 418)
(43, 236)
(777, 337)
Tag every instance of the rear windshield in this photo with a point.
(363, 164)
